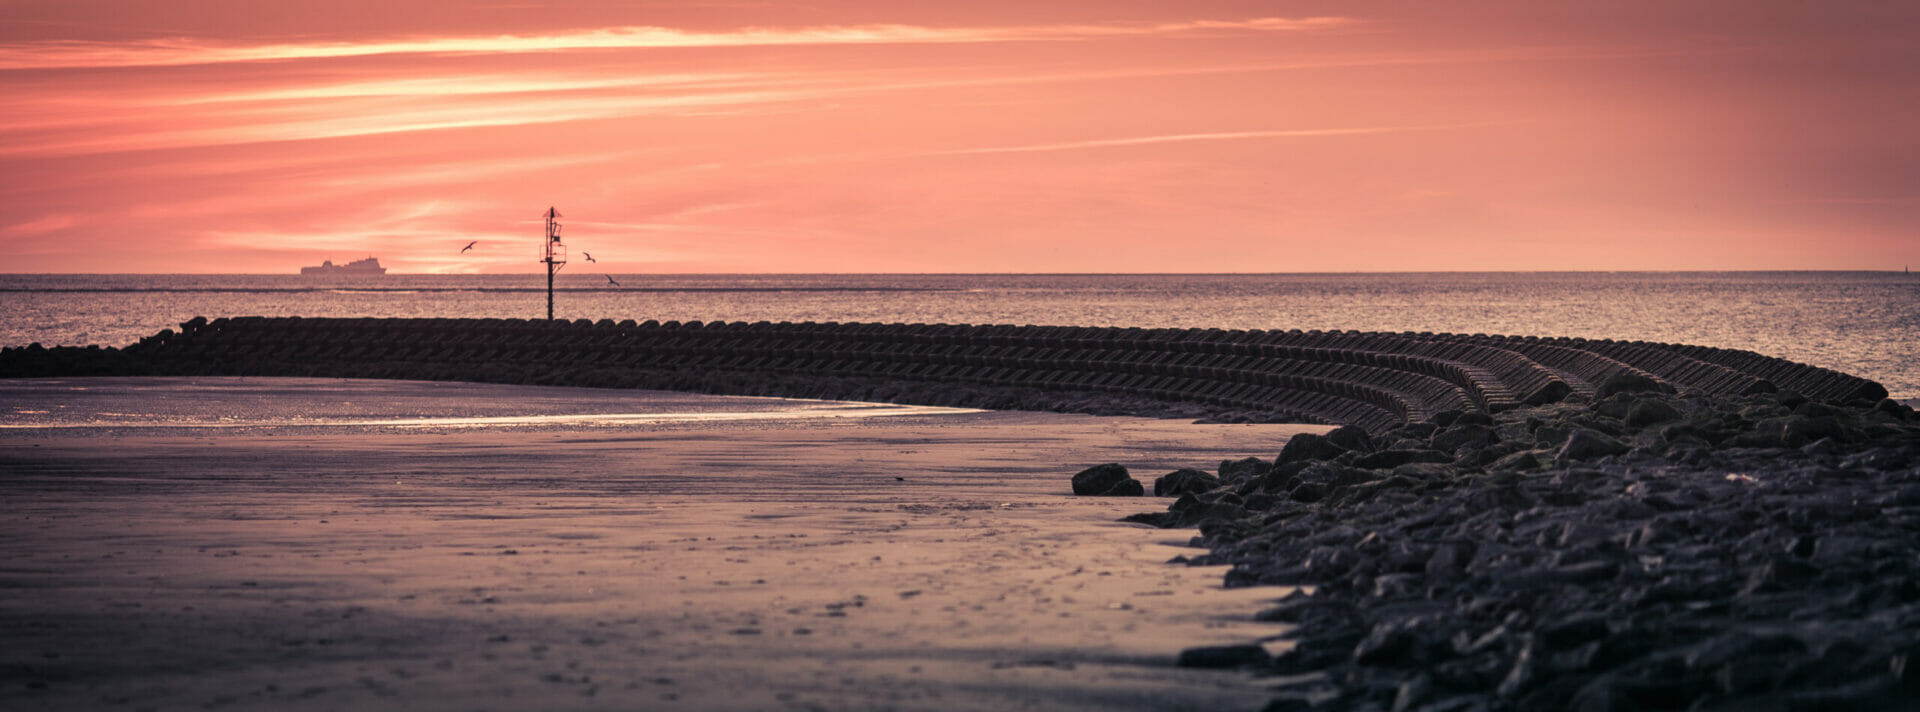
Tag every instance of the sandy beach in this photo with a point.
(327, 544)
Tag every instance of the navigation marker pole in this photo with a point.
(555, 255)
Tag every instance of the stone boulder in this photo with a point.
(1184, 481)
(1630, 382)
(1587, 444)
(1243, 469)
(1350, 437)
(1797, 430)
(1308, 446)
(1109, 480)
(1455, 437)
(1389, 459)
(1648, 411)
(1224, 656)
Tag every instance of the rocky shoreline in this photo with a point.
(1635, 550)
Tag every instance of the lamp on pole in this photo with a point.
(554, 255)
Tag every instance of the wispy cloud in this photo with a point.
(43, 224)
(184, 51)
(1186, 137)
(309, 122)
(470, 84)
(101, 115)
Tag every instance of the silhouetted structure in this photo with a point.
(368, 266)
(554, 255)
(1372, 380)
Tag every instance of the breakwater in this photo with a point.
(1371, 380)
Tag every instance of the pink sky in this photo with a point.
(986, 136)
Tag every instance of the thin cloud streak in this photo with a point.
(178, 52)
(326, 123)
(108, 122)
(470, 85)
(1180, 138)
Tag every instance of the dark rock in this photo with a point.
(1524, 673)
(1308, 492)
(1584, 444)
(1396, 586)
(1351, 438)
(1815, 409)
(1402, 642)
(1162, 520)
(1571, 631)
(1585, 572)
(1714, 652)
(1870, 694)
(1615, 407)
(1261, 502)
(1410, 431)
(1190, 510)
(1648, 411)
(1224, 656)
(1389, 459)
(1753, 675)
(1823, 446)
(1290, 703)
(1798, 430)
(1336, 476)
(1412, 691)
(1519, 461)
(1243, 469)
(1905, 666)
(1306, 447)
(1605, 693)
(1459, 436)
(1629, 382)
(1682, 434)
(1310, 610)
(1709, 567)
(1553, 695)
(1551, 435)
(1478, 458)
(1109, 480)
(1879, 458)
(1331, 562)
(1184, 481)
(1474, 418)
(1449, 561)
(1426, 471)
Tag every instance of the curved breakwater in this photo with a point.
(1368, 379)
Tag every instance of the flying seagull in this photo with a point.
(610, 281)
(589, 256)
(469, 246)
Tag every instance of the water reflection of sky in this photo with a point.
(229, 404)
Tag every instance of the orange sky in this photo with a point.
(984, 136)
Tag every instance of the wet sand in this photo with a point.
(923, 560)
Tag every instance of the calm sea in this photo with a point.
(1865, 323)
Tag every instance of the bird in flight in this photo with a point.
(589, 256)
(610, 281)
(469, 246)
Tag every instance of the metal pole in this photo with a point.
(550, 256)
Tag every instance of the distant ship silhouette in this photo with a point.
(369, 265)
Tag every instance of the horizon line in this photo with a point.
(375, 278)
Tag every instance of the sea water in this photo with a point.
(1864, 323)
